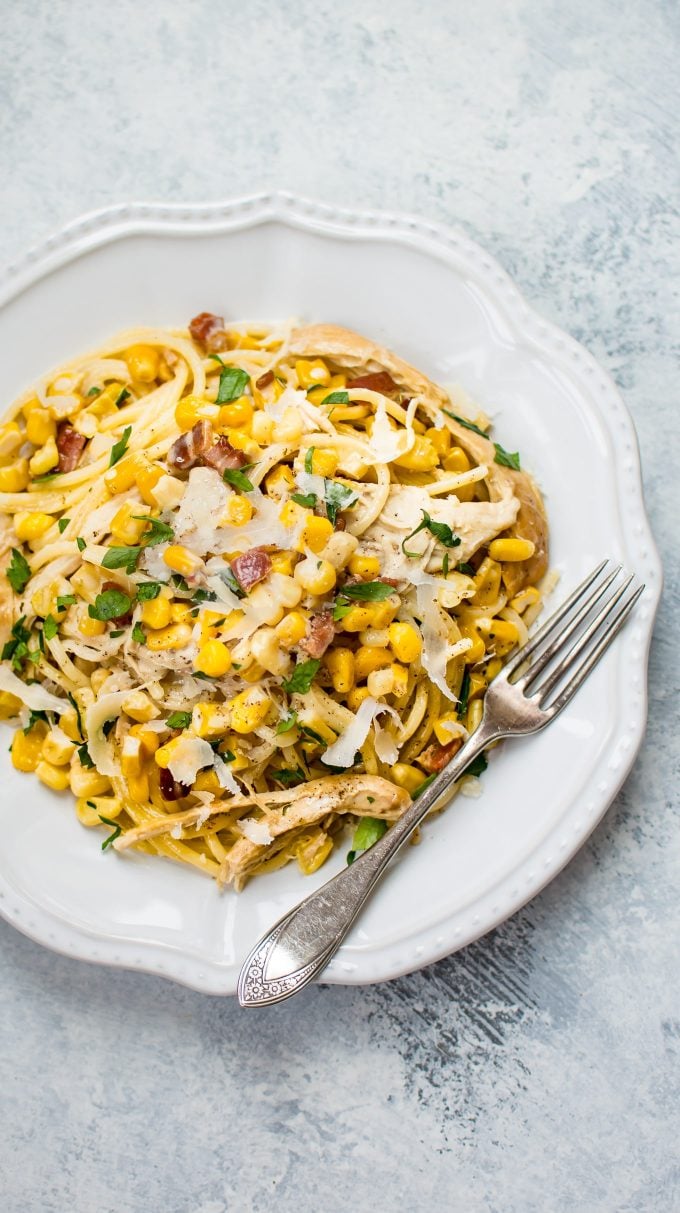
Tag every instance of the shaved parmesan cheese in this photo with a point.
(471, 786)
(435, 639)
(153, 564)
(385, 745)
(309, 483)
(225, 777)
(106, 708)
(256, 831)
(34, 696)
(341, 752)
(203, 504)
(189, 756)
(289, 398)
(386, 443)
(97, 523)
(168, 492)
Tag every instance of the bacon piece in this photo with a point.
(320, 633)
(208, 330)
(186, 452)
(251, 567)
(379, 381)
(170, 788)
(222, 455)
(436, 756)
(70, 445)
(264, 380)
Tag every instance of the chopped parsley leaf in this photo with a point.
(119, 448)
(368, 591)
(122, 558)
(306, 499)
(288, 723)
(138, 634)
(233, 383)
(289, 777)
(237, 478)
(62, 524)
(302, 677)
(309, 459)
(50, 627)
(441, 531)
(179, 720)
(117, 831)
(111, 604)
(81, 543)
(507, 459)
(337, 497)
(468, 425)
(336, 398)
(159, 532)
(19, 571)
(147, 590)
(477, 766)
(84, 756)
(367, 833)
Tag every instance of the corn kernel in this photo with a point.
(238, 414)
(131, 757)
(406, 642)
(31, 525)
(252, 673)
(375, 638)
(399, 679)
(293, 514)
(155, 612)
(524, 599)
(370, 615)
(91, 627)
(443, 734)
(267, 651)
(356, 697)
(164, 754)
(192, 409)
(122, 476)
(9, 705)
(148, 738)
(180, 612)
(85, 782)
(500, 633)
(380, 683)
(40, 427)
(422, 456)
(511, 549)
(143, 362)
(57, 750)
(238, 511)
(147, 477)
(493, 668)
(213, 659)
(368, 659)
(440, 439)
(207, 781)
(340, 548)
(14, 478)
(208, 720)
(11, 438)
(478, 648)
(181, 560)
(315, 576)
(316, 533)
(249, 709)
(340, 665)
(318, 726)
(27, 747)
(289, 428)
(140, 707)
(176, 636)
(312, 373)
(406, 776)
(45, 459)
(264, 607)
(68, 723)
(456, 460)
(53, 777)
(324, 462)
(88, 812)
(262, 428)
(125, 527)
(98, 677)
(291, 629)
(487, 583)
(366, 567)
(283, 562)
(280, 482)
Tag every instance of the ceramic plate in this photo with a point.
(441, 302)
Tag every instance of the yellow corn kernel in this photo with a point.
(44, 601)
(140, 707)
(238, 511)
(181, 560)
(125, 527)
(122, 475)
(487, 583)
(27, 747)
(291, 629)
(493, 668)
(104, 403)
(176, 636)
(443, 734)
(88, 812)
(478, 683)
(208, 720)
(264, 607)
(146, 478)
(180, 612)
(340, 548)
(340, 665)
(238, 414)
(98, 677)
(31, 525)
(405, 641)
(283, 562)
(131, 757)
(524, 599)
(324, 462)
(292, 514)
(45, 458)
(356, 697)
(500, 634)
(91, 627)
(422, 456)
(252, 673)
(9, 705)
(148, 738)
(380, 683)
(58, 750)
(280, 482)
(242, 441)
(53, 777)
(312, 853)
(315, 576)
(14, 478)
(262, 428)
(265, 648)
(440, 439)
(406, 776)
(207, 781)
(143, 362)
(87, 783)
(11, 438)
(239, 762)
(155, 613)
(68, 723)
(368, 659)
(213, 659)
(474, 715)
(511, 549)
(312, 373)
(164, 754)
(31, 404)
(478, 648)
(40, 427)
(366, 567)
(456, 460)
(375, 638)
(249, 709)
(316, 533)
(289, 428)
(370, 615)
(192, 409)
(399, 679)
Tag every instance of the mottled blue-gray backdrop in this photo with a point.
(538, 1070)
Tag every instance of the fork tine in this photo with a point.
(555, 621)
(545, 685)
(617, 622)
(555, 647)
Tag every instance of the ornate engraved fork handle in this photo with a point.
(300, 945)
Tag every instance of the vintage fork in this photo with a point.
(530, 691)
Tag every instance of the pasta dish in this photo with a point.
(257, 580)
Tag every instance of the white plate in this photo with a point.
(440, 301)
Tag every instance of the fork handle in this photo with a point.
(299, 946)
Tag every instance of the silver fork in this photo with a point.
(530, 691)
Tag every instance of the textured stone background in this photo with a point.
(538, 1070)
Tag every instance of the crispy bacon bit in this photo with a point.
(70, 445)
(208, 330)
(186, 452)
(126, 617)
(380, 381)
(170, 788)
(264, 380)
(320, 633)
(436, 756)
(222, 455)
(251, 567)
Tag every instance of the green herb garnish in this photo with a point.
(122, 397)
(17, 647)
(117, 831)
(116, 633)
(312, 735)
(464, 696)
(111, 604)
(302, 677)
(94, 391)
(62, 524)
(341, 607)
(64, 601)
(119, 448)
(50, 627)
(81, 544)
(445, 564)
(468, 425)
(237, 478)
(233, 383)
(289, 778)
(46, 477)
(477, 766)
(288, 723)
(368, 831)
(336, 398)
(179, 720)
(507, 459)
(306, 499)
(84, 756)
(368, 591)
(464, 567)
(19, 571)
(230, 581)
(424, 785)
(160, 532)
(138, 634)
(33, 718)
(309, 460)
(441, 531)
(337, 497)
(147, 590)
